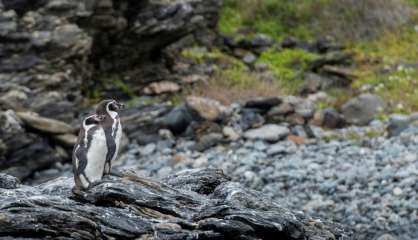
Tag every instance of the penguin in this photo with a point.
(89, 153)
(108, 111)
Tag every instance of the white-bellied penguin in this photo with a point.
(108, 111)
(89, 153)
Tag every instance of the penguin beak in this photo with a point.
(120, 106)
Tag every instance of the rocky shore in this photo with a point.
(354, 164)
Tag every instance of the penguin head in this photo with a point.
(108, 106)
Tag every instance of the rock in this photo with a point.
(249, 58)
(204, 199)
(8, 182)
(263, 103)
(282, 109)
(342, 72)
(332, 58)
(329, 118)
(178, 119)
(148, 149)
(312, 83)
(262, 40)
(205, 108)
(230, 133)
(67, 140)
(397, 191)
(397, 124)
(22, 153)
(296, 139)
(43, 124)
(158, 88)
(208, 140)
(268, 132)
(249, 118)
(363, 109)
(387, 237)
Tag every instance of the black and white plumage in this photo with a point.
(108, 110)
(89, 153)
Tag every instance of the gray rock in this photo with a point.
(148, 149)
(363, 109)
(194, 198)
(397, 124)
(268, 132)
(8, 182)
(205, 108)
(208, 140)
(249, 58)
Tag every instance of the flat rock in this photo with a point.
(264, 103)
(44, 124)
(161, 87)
(268, 132)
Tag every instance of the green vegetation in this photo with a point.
(201, 55)
(106, 83)
(389, 68)
(380, 33)
(287, 66)
(276, 18)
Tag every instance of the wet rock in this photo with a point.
(204, 199)
(205, 108)
(363, 109)
(268, 132)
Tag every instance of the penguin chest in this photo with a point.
(96, 155)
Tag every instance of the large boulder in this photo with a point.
(198, 204)
(363, 109)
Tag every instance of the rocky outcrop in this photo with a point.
(55, 54)
(199, 204)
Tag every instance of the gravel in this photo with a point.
(368, 183)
